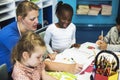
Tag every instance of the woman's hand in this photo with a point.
(75, 68)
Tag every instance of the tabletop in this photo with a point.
(84, 55)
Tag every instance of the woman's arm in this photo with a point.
(55, 66)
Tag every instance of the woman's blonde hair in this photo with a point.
(24, 7)
(27, 43)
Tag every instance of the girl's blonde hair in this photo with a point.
(27, 43)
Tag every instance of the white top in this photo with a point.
(60, 38)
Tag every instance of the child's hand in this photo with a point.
(98, 42)
(100, 37)
(76, 45)
(102, 45)
(52, 56)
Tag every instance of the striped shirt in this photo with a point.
(113, 39)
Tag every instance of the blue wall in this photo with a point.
(78, 19)
(89, 34)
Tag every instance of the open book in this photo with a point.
(84, 55)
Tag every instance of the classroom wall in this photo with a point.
(77, 19)
(119, 9)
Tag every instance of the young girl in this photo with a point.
(61, 35)
(27, 57)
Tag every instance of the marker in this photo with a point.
(73, 60)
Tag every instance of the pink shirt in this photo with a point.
(21, 72)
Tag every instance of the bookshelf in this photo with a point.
(7, 9)
(99, 18)
(46, 11)
(94, 7)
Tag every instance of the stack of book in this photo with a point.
(94, 10)
(106, 10)
(83, 9)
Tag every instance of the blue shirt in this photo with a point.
(9, 36)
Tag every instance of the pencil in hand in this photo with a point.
(102, 35)
(73, 60)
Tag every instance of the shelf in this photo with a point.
(18, 0)
(5, 9)
(6, 16)
(46, 8)
(94, 7)
(95, 0)
(44, 3)
(4, 2)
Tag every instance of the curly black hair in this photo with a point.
(63, 6)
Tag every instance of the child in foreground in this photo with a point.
(27, 57)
